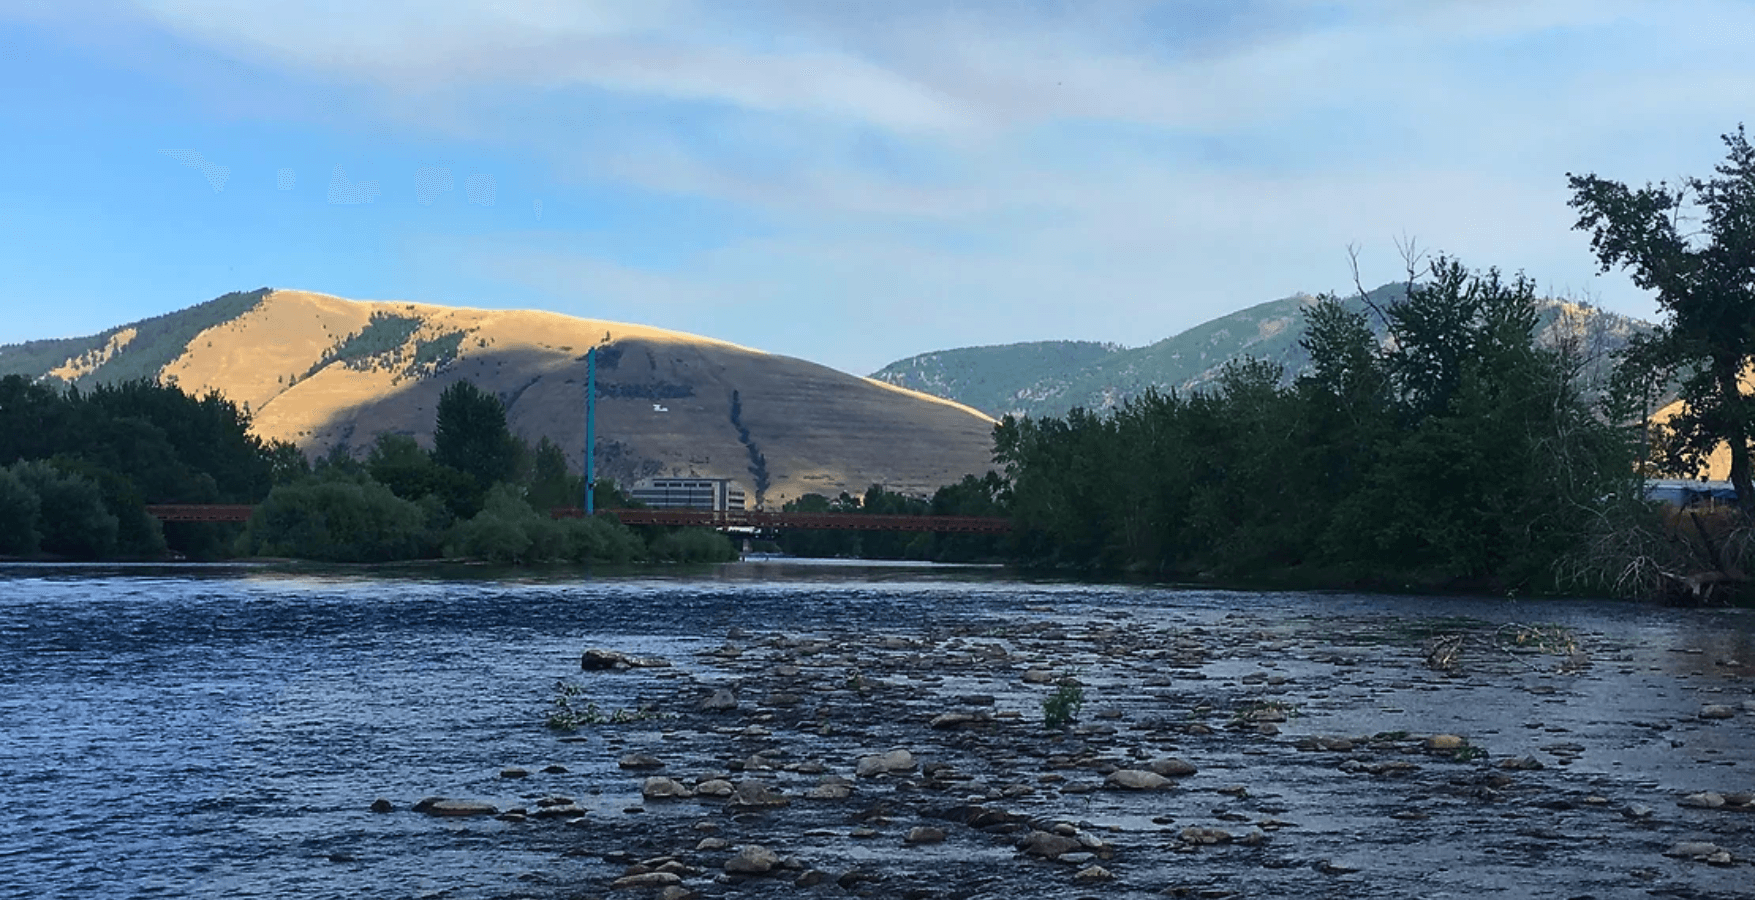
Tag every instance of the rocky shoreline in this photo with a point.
(1204, 755)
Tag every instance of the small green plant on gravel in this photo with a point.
(1061, 708)
(1468, 753)
(855, 680)
(1253, 711)
(571, 711)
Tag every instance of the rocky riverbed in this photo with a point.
(1202, 752)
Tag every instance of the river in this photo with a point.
(221, 731)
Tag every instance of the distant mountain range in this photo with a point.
(322, 371)
(1049, 378)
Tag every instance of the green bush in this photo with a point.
(19, 508)
(338, 519)
(691, 545)
(508, 530)
(71, 519)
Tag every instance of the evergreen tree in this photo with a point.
(471, 435)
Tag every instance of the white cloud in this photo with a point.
(1013, 170)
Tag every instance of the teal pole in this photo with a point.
(590, 431)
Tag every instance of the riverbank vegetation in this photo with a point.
(78, 469)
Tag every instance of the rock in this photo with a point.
(660, 788)
(1171, 767)
(1198, 835)
(1093, 873)
(1704, 800)
(460, 808)
(554, 769)
(514, 772)
(954, 719)
(923, 834)
(721, 700)
(1047, 844)
(1038, 676)
(1445, 742)
(893, 761)
(676, 892)
(810, 878)
(752, 859)
(1514, 763)
(1138, 780)
(714, 787)
(1700, 850)
(645, 880)
(1638, 811)
(831, 789)
(640, 761)
(381, 805)
(755, 794)
(712, 843)
(1716, 711)
(595, 660)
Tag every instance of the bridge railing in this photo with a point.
(765, 519)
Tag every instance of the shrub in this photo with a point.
(338, 519)
(692, 545)
(71, 520)
(19, 508)
(1062, 707)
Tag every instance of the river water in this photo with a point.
(191, 731)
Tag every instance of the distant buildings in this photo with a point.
(689, 493)
(1682, 492)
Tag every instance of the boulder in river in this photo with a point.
(721, 700)
(882, 763)
(1172, 767)
(752, 859)
(660, 788)
(1138, 780)
(459, 808)
(1048, 845)
(595, 660)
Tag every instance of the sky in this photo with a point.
(848, 181)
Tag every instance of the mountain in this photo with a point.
(321, 371)
(1048, 378)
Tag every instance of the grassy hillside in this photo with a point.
(1050, 378)
(323, 372)
(136, 350)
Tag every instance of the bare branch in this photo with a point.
(1353, 260)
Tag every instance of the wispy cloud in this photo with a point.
(1016, 169)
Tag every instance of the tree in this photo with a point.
(550, 483)
(471, 434)
(18, 516)
(1704, 279)
(72, 520)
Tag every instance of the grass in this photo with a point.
(1061, 708)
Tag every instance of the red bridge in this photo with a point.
(705, 518)
(209, 512)
(763, 519)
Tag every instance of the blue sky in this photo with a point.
(850, 181)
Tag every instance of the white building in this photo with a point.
(689, 493)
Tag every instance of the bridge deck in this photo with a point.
(755, 518)
(735, 518)
(201, 512)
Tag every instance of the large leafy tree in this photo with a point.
(471, 434)
(1693, 245)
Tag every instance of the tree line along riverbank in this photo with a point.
(1454, 452)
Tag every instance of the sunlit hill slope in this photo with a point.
(320, 371)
